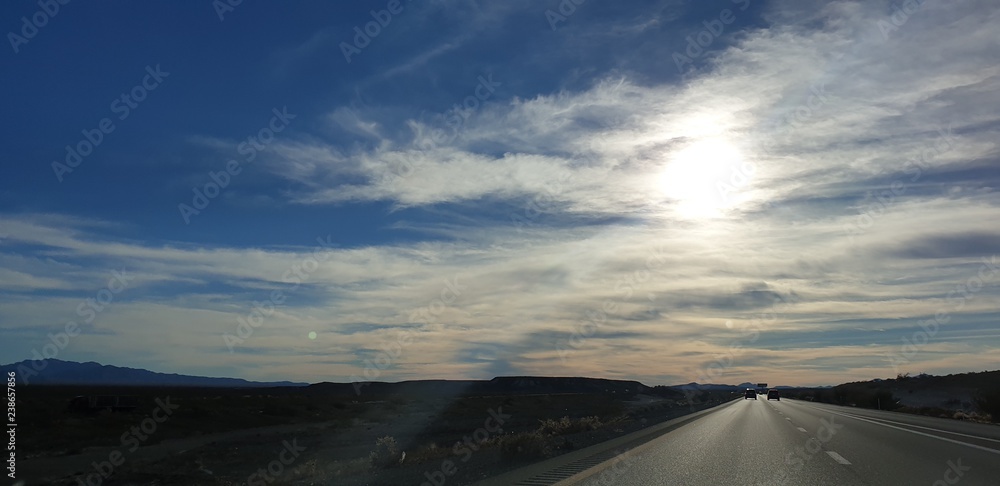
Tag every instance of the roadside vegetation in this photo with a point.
(348, 439)
(965, 396)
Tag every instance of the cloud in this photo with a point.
(967, 245)
(601, 144)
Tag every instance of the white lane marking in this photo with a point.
(839, 458)
(788, 419)
(803, 430)
(974, 446)
(928, 428)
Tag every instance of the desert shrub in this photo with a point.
(554, 427)
(567, 425)
(989, 403)
(386, 453)
(590, 423)
(524, 445)
(427, 452)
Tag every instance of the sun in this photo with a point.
(697, 179)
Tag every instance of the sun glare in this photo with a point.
(699, 179)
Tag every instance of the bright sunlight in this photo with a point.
(701, 179)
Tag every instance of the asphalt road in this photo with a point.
(804, 443)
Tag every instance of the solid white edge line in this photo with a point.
(839, 458)
(927, 428)
(987, 449)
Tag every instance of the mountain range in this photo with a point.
(59, 372)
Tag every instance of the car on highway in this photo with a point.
(773, 394)
(750, 393)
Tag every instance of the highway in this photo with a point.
(803, 443)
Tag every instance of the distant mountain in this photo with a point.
(715, 387)
(501, 385)
(59, 372)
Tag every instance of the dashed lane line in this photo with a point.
(839, 458)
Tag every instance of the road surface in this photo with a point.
(804, 443)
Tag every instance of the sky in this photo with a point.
(795, 192)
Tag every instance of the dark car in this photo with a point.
(751, 393)
(773, 394)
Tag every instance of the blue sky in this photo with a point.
(669, 191)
